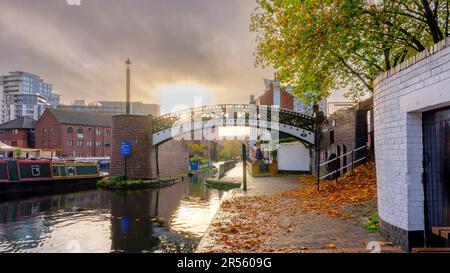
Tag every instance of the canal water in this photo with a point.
(167, 220)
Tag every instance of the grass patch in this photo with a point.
(373, 225)
(223, 184)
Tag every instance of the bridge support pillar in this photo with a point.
(138, 131)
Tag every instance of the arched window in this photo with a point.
(80, 131)
(90, 131)
(108, 133)
(50, 130)
(70, 130)
(44, 130)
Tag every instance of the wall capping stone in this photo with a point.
(413, 60)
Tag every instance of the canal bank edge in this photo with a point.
(116, 183)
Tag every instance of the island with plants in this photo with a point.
(121, 183)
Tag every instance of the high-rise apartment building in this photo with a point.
(2, 102)
(26, 95)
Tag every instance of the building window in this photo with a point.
(44, 130)
(80, 143)
(70, 143)
(14, 144)
(50, 143)
(50, 130)
(107, 143)
(108, 133)
(98, 144)
(70, 130)
(331, 137)
(88, 143)
(80, 133)
(43, 143)
(90, 131)
(99, 132)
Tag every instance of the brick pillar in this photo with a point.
(137, 130)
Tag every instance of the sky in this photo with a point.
(179, 48)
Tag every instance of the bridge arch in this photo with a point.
(197, 120)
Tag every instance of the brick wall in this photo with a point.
(137, 130)
(16, 138)
(173, 158)
(286, 100)
(93, 142)
(47, 121)
(401, 96)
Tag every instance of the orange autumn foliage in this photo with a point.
(252, 223)
(333, 198)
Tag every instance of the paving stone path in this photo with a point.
(312, 231)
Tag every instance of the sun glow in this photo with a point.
(180, 96)
(238, 131)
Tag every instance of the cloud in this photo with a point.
(82, 49)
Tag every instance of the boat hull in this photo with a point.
(20, 190)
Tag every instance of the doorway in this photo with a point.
(436, 133)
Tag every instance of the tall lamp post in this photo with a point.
(126, 147)
(316, 143)
(128, 63)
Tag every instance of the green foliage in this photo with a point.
(196, 148)
(198, 159)
(224, 155)
(274, 154)
(58, 152)
(18, 152)
(318, 45)
(120, 183)
(234, 147)
(117, 179)
(373, 225)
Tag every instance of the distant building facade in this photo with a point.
(18, 133)
(113, 107)
(26, 95)
(278, 96)
(74, 133)
(2, 102)
(333, 107)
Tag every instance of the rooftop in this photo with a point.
(81, 118)
(19, 123)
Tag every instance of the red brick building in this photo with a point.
(74, 133)
(18, 133)
(276, 96)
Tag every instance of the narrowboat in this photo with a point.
(18, 177)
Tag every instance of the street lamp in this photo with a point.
(128, 63)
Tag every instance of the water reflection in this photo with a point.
(168, 220)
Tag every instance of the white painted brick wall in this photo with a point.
(401, 96)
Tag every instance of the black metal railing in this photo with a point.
(354, 157)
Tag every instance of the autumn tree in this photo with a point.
(196, 148)
(318, 45)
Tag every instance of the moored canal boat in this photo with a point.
(44, 176)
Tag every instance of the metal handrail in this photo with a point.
(352, 164)
(342, 156)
